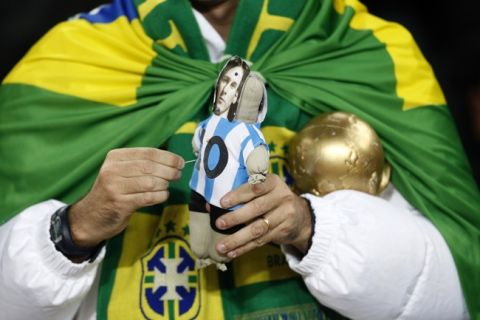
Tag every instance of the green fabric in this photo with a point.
(320, 65)
(262, 295)
(107, 277)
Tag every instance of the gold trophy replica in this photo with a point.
(337, 151)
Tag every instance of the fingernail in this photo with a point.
(232, 254)
(226, 202)
(221, 223)
(221, 248)
(181, 164)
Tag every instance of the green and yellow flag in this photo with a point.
(136, 72)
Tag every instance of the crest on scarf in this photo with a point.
(170, 285)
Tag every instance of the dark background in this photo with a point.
(447, 32)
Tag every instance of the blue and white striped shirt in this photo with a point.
(224, 148)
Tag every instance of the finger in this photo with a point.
(254, 231)
(251, 210)
(247, 192)
(142, 184)
(267, 238)
(145, 199)
(276, 233)
(157, 155)
(135, 168)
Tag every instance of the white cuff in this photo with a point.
(37, 220)
(54, 259)
(325, 231)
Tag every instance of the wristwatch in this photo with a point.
(61, 236)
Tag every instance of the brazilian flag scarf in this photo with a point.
(135, 72)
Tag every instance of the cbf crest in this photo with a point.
(171, 284)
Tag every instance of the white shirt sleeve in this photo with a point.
(36, 280)
(378, 258)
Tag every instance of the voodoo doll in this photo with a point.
(231, 151)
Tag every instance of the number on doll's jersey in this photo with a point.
(221, 154)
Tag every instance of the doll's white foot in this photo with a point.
(221, 266)
(202, 263)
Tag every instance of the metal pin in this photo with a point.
(189, 161)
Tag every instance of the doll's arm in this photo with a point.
(197, 139)
(257, 164)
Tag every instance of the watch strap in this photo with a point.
(61, 236)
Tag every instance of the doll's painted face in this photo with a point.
(228, 89)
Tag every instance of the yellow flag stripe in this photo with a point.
(416, 81)
(107, 61)
(267, 22)
(145, 8)
(212, 306)
(187, 128)
(174, 39)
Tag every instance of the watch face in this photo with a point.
(57, 229)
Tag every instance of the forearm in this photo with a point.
(37, 281)
(371, 259)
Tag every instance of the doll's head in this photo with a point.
(229, 85)
(337, 151)
(239, 93)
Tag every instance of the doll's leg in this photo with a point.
(216, 258)
(199, 233)
(199, 225)
(217, 235)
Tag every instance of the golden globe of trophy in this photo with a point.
(337, 151)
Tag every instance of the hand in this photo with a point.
(129, 179)
(288, 218)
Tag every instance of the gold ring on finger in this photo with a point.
(266, 222)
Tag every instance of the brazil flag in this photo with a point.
(132, 72)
